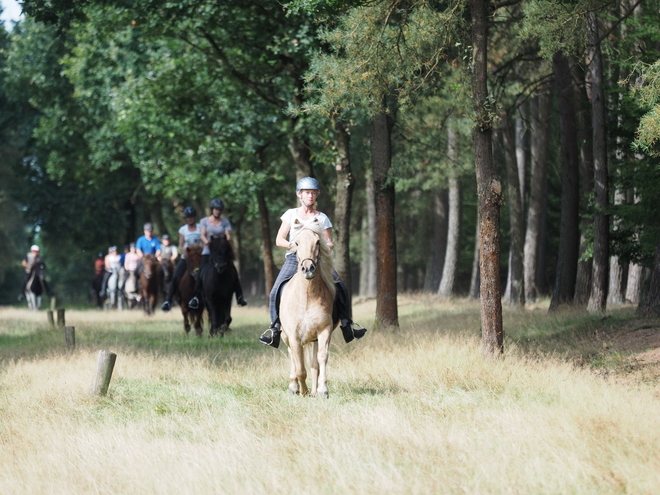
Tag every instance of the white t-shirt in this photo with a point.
(297, 224)
(190, 237)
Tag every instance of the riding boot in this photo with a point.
(350, 332)
(272, 334)
(239, 295)
(194, 301)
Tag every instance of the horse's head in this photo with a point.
(308, 250)
(150, 265)
(221, 252)
(193, 257)
(39, 269)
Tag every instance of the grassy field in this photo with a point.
(413, 411)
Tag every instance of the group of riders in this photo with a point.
(215, 225)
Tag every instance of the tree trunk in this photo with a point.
(521, 161)
(615, 287)
(381, 156)
(369, 252)
(569, 232)
(634, 284)
(343, 202)
(539, 174)
(489, 188)
(584, 135)
(301, 156)
(438, 247)
(598, 295)
(475, 280)
(651, 305)
(515, 284)
(266, 245)
(453, 236)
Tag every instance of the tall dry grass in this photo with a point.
(414, 411)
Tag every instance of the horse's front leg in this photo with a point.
(311, 351)
(186, 322)
(322, 357)
(298, 373)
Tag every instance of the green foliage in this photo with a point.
(382, 49)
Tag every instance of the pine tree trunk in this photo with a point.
(569, 232)
(475, 280)
(489, 188)
(438, 247)
(516, 218)
(450, 266)
(381, 156)
(634, 283)
(651, 305)
(369, 251)
(598, 295)
(343, 202)
(538, 178)
(615, 287)
(266, 245)
(585, 136)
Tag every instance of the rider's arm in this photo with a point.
(281, 239)
(327, 235)
(182, 241)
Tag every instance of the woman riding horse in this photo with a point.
(293, 221)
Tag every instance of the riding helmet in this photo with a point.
(308, 183)
(112, 248)
(189, 211)
(148, 227)
(217, 204)
(34, 248)
(164, 237)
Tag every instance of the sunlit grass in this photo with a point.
(411, 411)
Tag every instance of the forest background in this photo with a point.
(113, 113)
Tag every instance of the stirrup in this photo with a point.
(350, 331)
(271, 337)
(193, 303)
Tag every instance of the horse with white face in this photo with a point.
(306, 312)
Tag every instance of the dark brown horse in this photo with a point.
(186, 289)
(150, 282)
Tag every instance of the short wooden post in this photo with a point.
(70, 338)
(51, 318)
(105, 365)
(60, 317)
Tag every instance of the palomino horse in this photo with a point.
(306, 312)
(36, 285)
(130, 290)
(150, 284)
(218, 281)
(186, 288)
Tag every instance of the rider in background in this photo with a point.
(294, 220)
(28, 262)
(110, 262)
(168, 251)
(189, 234)
(214, 226)
(147, 243)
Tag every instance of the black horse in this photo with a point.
(36, 285)
(219, 279)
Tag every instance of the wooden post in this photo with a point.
(60, 317)
(105, 365)
(51, 318)
(70, 338)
